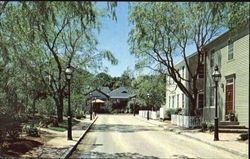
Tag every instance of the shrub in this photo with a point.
(178, 110)
(210, 127)
(169, 112)
(10, 125)
(203, 126)
(31, 130)
(78, 116)
(244, 136)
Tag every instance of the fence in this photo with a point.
(152, 114)
(185, 121)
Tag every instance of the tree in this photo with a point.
(56, 35)
(154, 85)
(162, 31)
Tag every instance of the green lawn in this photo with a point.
(64, 125)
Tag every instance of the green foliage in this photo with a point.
(210, 127)
(37, 46)
(171, 111)
(153, 85)
(63, 126)
(203, 126)
(10, 125)
(31, 130)
(162, 32)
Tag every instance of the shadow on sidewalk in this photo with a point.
(115, 155)
(123, 128)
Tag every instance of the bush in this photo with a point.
(203, 126)
(177, 111)
(244, 136)
(172, 111)
(31, 130)
(10, 125)
(210, 127)
(79, 116)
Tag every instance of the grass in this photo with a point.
(63, 126)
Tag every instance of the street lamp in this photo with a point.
(68, 73)
(90, 114)
(148, 109)
(94, 107)
(216, 77)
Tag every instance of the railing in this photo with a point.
(152, 114)
(185, 121)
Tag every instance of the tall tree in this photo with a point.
(60, 34)
(163, 31)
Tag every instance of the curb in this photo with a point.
(206, 142)
(218, 146)
(73, 147)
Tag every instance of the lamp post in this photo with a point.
(90, 114)
(148, 109)
(94, 107)
(68, 73)
(216, 77)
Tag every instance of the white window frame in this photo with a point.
(183, 100)
(178, 100)
(230, 51)
(198, 99)
(211, 96)
(173, 101)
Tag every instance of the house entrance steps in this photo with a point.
(232, 127)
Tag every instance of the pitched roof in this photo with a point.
(120, 92)
(105, 90)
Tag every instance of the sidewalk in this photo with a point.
(58, 145)
(227, 141)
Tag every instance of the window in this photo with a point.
(183, 68)
(201, 71)
(178, 100)
(183, 100)
(173, 101)
(169, 100)
(230, 50)
(212, 58)
(211, 96)
(200, 100)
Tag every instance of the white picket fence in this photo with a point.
(185, 121)
(152, 114)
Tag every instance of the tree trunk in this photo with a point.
(59, 106)
(193, 100)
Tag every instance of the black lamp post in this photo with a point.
(68, 73)
(216, 76)
(94, 107)
(90, 114)
(148, 109)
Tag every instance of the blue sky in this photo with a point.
(113, 36)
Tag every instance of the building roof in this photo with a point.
(105, 90)
(120, 92)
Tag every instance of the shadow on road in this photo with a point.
(115, 155)
(123, 128)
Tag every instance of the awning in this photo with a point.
(98, 101)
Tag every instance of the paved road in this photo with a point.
(125, 136)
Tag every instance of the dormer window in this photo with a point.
(124, 92)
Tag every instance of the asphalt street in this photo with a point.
(125, 136)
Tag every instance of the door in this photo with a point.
(229, 98)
